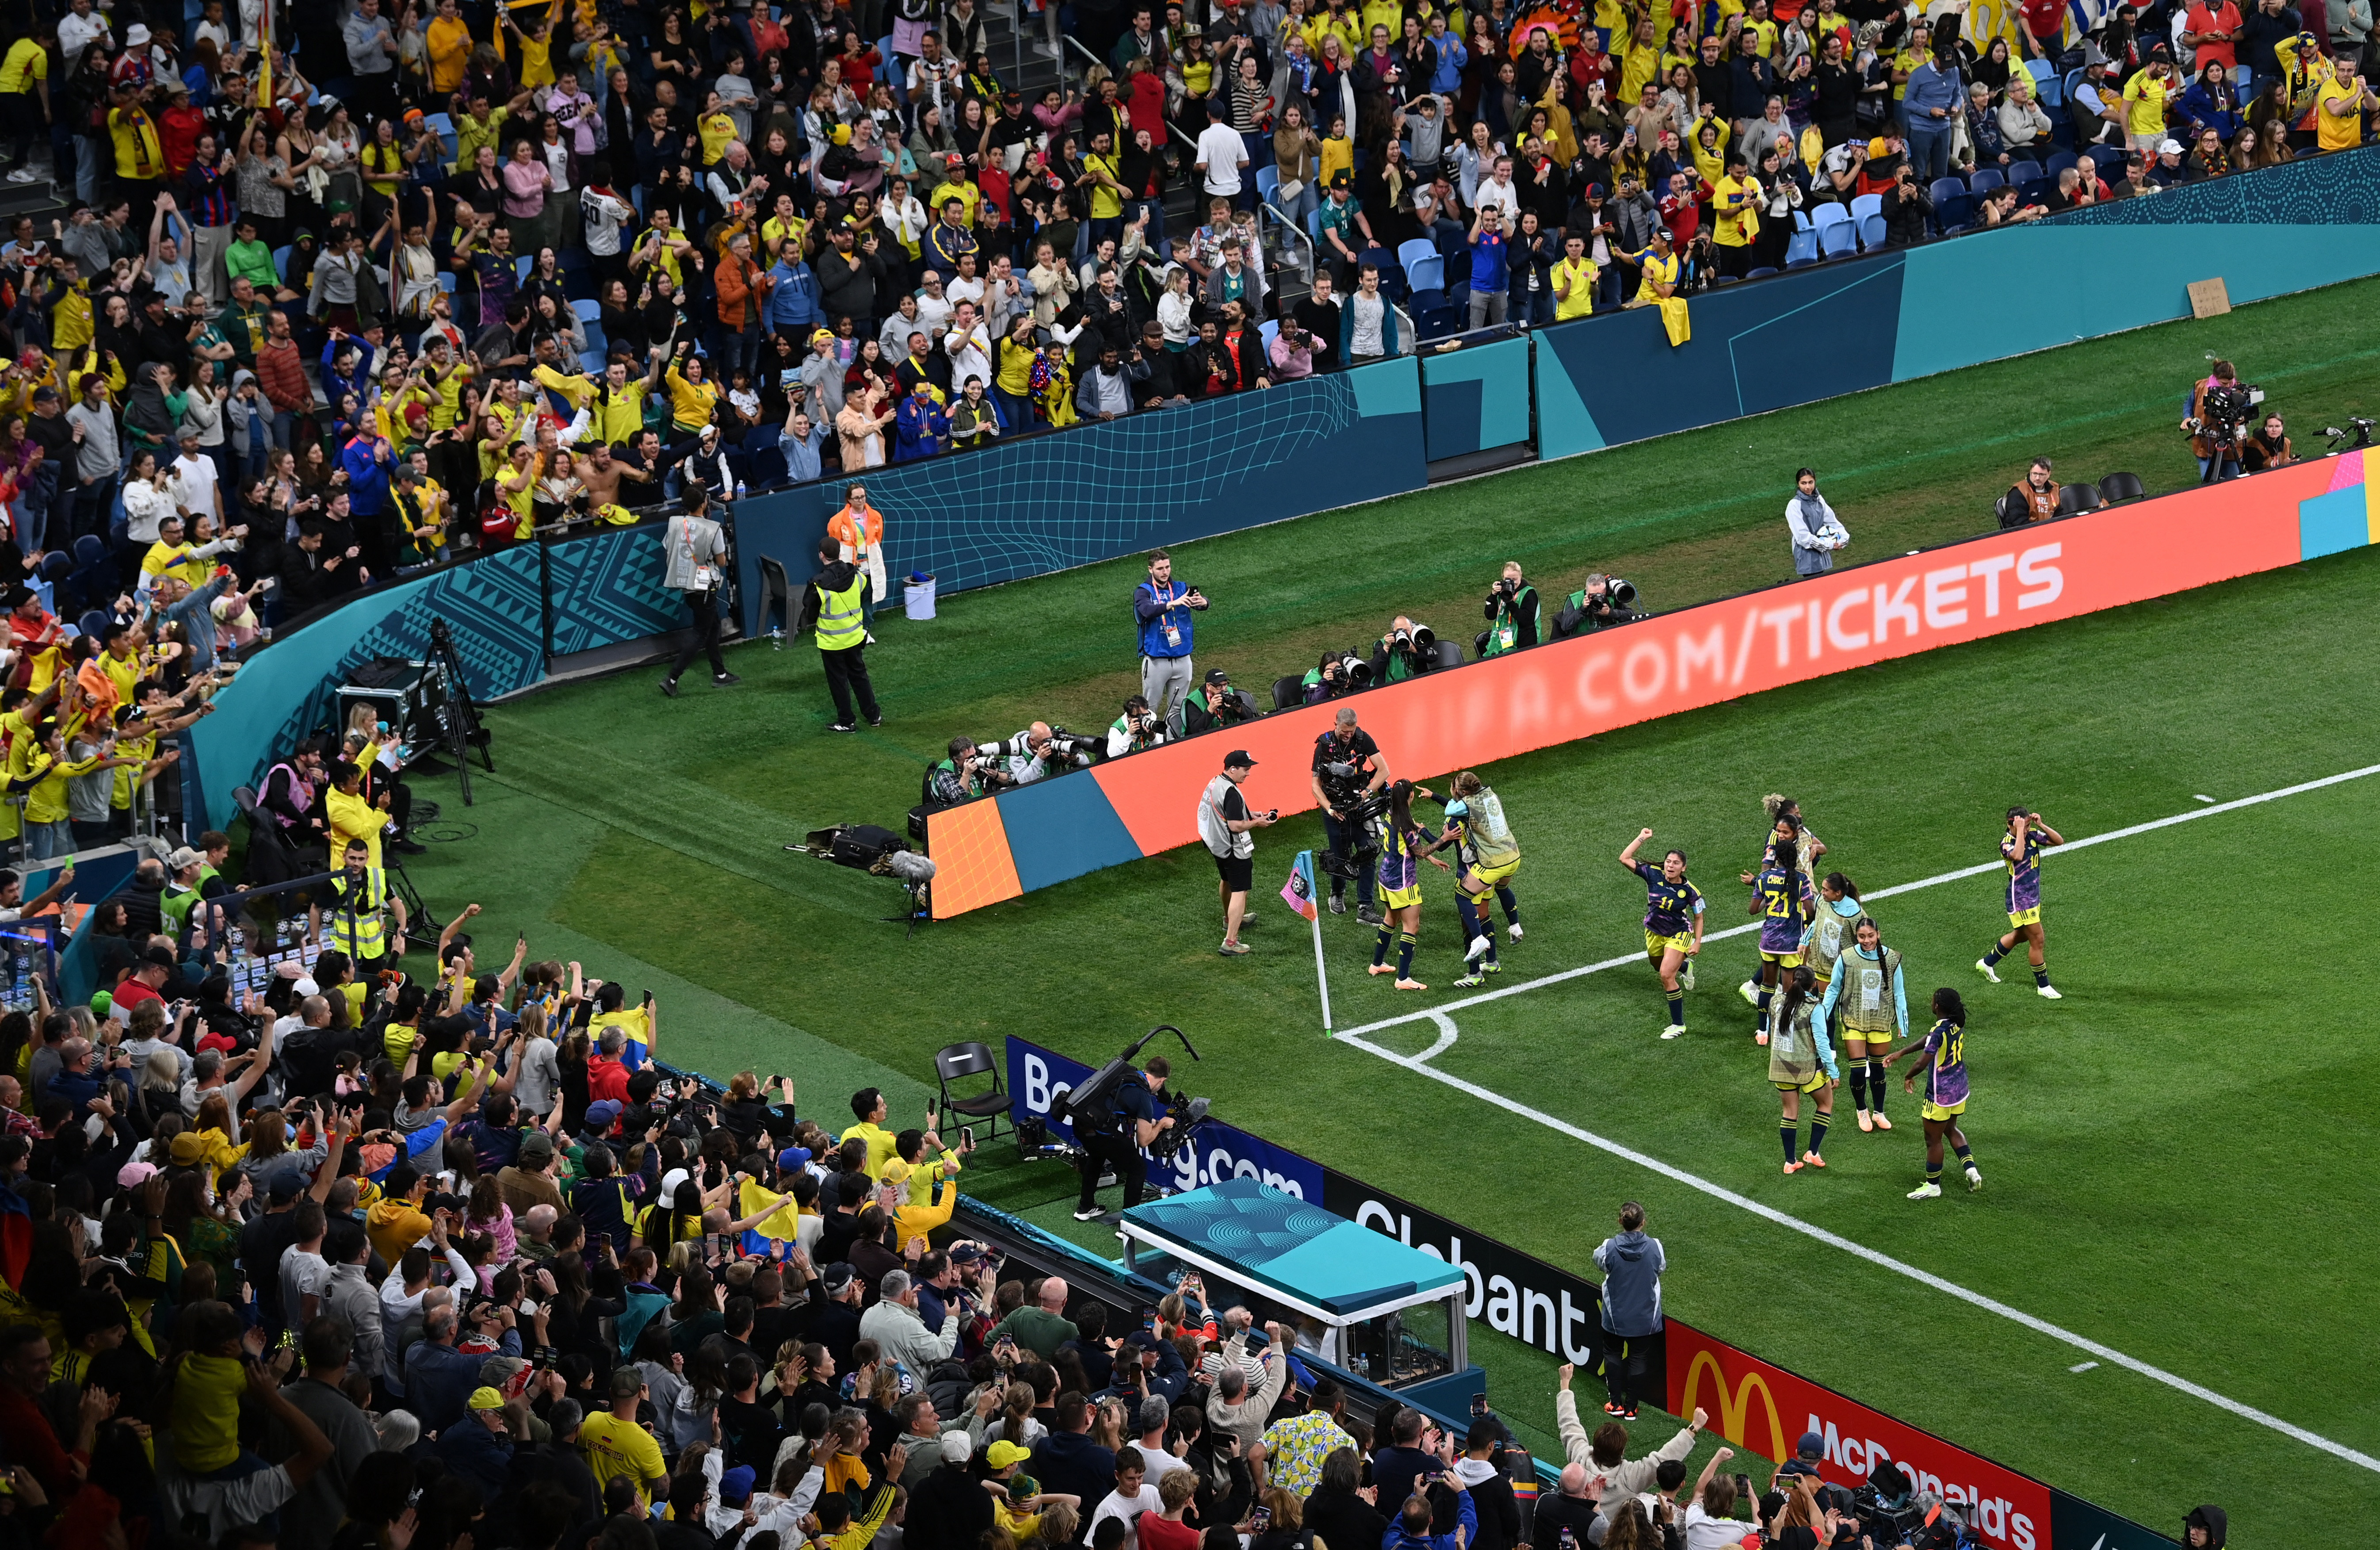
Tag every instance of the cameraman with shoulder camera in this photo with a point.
(1226, 822)
(1602, 601)
(1348, 768)
(2033, 498)
(1217, 703)
(1163, 607)
(1512, 612)
(1137, 729)
(1135, 1119)
(1405, 652)
(2218, 422)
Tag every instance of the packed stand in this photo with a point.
(482, 274)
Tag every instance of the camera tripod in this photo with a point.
(459, 728)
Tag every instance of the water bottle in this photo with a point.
(739, 489)
(776, 637)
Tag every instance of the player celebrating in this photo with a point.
(1673, 925)
(2021, 848)
(1799, 1061)
(1943, 1062)
(1474, 824)
(1785, 827)
(1403, 849)
(1874, 997)
(1784, 902)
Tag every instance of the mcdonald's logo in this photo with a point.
(1734, 1409)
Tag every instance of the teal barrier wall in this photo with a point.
(1863, 323)
(1476, 397)
(508, 614)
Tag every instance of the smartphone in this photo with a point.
(1260, 1519)
(966, 1135)
(1479, 1404)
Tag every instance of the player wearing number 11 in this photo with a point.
(1673, 925)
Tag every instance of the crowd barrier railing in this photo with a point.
(1755, 1404)
(1035, 836)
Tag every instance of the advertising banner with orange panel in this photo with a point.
(1764, 1410)
(1787, 634)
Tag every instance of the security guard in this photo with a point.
(830, 605)
(1512, 614)
(1136, 1116)
(360, 910)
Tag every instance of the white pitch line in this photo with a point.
(1860, 1250)
(1936, 881)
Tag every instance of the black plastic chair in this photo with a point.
(2073, 499)
(2121, 487)
(961, 1062)
(779, 593)
(1448, 654)
(1287, 690)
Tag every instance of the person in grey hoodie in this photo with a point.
(1632, 1263)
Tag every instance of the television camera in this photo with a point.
(1089, 1106)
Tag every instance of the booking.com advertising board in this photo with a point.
(1756, 1404)
(1791, 633)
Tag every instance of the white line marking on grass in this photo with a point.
(1442, 1017)
(1923, 882)
(2201, 799)
(2081, 1366)
(1446, 1037)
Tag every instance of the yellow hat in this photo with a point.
(486, 1399)
(189, 1149)
(1004, 1453)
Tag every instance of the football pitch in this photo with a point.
(2162, 1292)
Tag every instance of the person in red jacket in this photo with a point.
(178, 128)
(280, 372)
(743, 290)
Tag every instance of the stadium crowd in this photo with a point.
(475, 273)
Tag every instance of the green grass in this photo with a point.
(2172, 1153)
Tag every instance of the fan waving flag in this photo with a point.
(1298, 892)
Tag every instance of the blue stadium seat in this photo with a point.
(281, 263)
(1871, 233)
(56, 566)
(2023, 170)
(1841, 239)
(1802, 250)
(2037, 192)
(768, 468)
(1268, 332)
(588, 311)
(2046, 85)
(1831, 214)
(1267, 182)
(520, 267)
(1984, 179)
(93, 624)
(1954, 213)
(597, 342)
(2058, 161)
(1725, 280)
(1945, 188)
(446, 281)
(593, 363)
(1865, 205)
(1760, 274)
(90, 550)
(1802, 221)
(1434, 314)
(895, 76)
(1425, 270)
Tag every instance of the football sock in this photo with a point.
(1966, 1156)
(1859, 1084)
(1818, 1131)
(1786, 1132)
(1404, 954)
(1677, 1011)
(2041, 975)
(1512, 905)
(1994, 953)
(1934, 1173)
(1471, 922)
(1875, 1084)
(1380, 949)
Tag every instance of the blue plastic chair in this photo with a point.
(2037, 192)
(1802, 221)
(1802, 250)
(1434, 314)
(1945, 188)
(1871, 233)
(2023, 170)
(1984, 179)
(90, 550)
(446, 281)
(1267, 182)
(2058, 161)
(1865, 205)
(588, 311)
(1760, 274)
(520, 267)
(768, 468)
(1840, 240)
(1725, 280)
(593, 362)
(281, 263)
(1830, 214)
(1955, 213)
(93, 623)
(1425, 273)
(1269, 330)
(596, 339)
(896, 77)
(56, 566)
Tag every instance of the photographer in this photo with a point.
(2033, 498)
(2218, 423)
(1348, 768)
(1225, 822)
(1217, 703)
(962, 777)
(1032, 754)
(1338, 673)
(2269, 448)
(1405, 652)
(1602, 601)
(1512, 612)
(1137, 729)
(1135, 1119)
(1163, 606)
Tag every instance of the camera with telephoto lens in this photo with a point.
(1347, 673)
(1417, 640)
(1343, 785)
(1076, 750)
(2223, 412)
